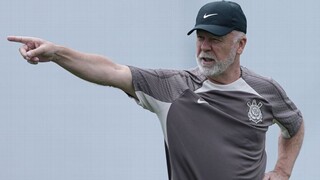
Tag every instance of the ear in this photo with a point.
(242, 44)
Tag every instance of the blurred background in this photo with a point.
(54, 125)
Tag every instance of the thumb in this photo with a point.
(266, 176)
(35, 52)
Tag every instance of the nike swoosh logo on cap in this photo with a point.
(209, 15)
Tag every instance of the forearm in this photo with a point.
(90, 67)
(288, 152)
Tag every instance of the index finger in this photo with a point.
(20, 39)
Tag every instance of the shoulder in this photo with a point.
(253, 76)
(258, 81)
(171, 79)
(267, 87)
(167, 73)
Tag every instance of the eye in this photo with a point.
(216, 40)
(200, 38)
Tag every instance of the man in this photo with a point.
(214, 117)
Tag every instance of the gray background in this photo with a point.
(56, 126)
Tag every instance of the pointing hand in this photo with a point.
(35, 50)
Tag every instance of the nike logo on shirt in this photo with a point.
(200, 101)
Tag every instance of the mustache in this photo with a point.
(206, 55)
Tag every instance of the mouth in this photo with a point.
(207, 59)
(207, 62)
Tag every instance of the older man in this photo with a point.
(214, 117)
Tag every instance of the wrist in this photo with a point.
(58, 53)
(282, 172)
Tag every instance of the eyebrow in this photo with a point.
(218, 37)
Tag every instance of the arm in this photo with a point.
(288, 151)
(90, 67)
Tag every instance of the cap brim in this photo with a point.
(213, 29)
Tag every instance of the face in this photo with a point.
(215, 54)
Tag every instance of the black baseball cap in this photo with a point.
(220, 18)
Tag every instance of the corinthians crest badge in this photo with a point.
(255, 113)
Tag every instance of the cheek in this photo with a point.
(198, 50)
(223, 52)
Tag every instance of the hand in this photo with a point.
(35, 50)
(275, 175)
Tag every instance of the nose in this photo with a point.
(205, 45)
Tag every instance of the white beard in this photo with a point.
(219, 66)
